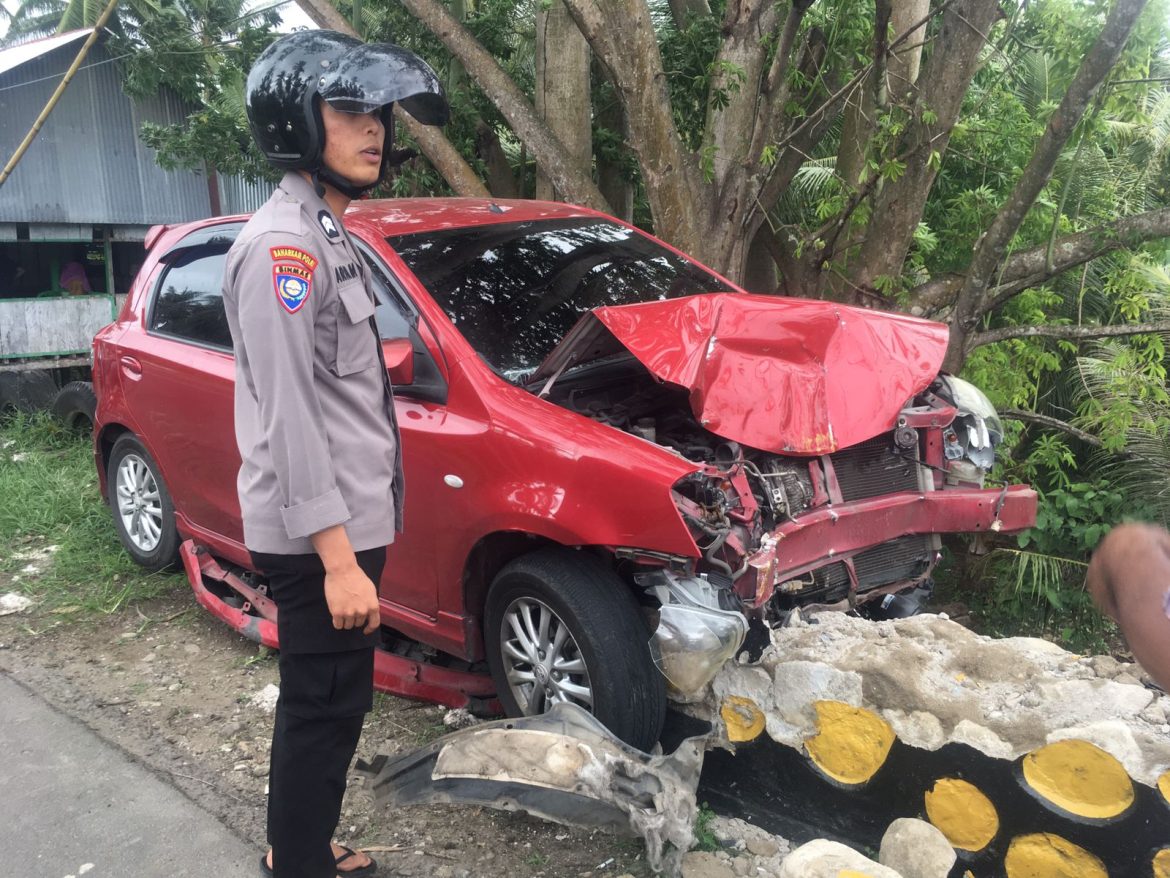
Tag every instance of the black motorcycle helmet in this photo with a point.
(286, 80)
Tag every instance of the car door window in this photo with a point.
(397, 318)
(188, 302)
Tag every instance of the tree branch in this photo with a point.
(774, 93)
(1004, 333)
(1028, 268)
(1053, 424)
(993, 246)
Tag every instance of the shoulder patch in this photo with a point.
(292, 276)
(292, 283)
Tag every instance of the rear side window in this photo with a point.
(189, 302)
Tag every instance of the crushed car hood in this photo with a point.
(791, 376)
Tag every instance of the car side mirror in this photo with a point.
(399, 356)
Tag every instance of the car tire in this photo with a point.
(144, 515)
(605, 649)
(75, 406)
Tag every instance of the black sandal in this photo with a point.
(366, 871)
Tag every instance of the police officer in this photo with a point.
(320, 483)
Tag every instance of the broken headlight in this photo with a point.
(975, 433)
(695, 634)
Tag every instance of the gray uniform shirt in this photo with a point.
(315, 420)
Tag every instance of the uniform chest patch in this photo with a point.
(345, 272)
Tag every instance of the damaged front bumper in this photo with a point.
(563, 766)
(837, 532)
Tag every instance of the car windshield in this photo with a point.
(515, 289)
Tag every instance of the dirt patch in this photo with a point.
(176, 691)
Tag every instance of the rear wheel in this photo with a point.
(144, 515)
(561, 626)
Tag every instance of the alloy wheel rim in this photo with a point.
(139, 503)
(542, 662)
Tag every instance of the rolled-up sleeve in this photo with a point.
(280, 344)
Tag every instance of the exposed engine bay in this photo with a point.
(739, 501)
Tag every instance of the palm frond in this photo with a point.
(1042, 577)
(1035, 80)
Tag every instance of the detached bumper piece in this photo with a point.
(562, 766)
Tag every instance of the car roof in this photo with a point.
(389, 217)
(403, 216)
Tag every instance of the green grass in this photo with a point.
(49, 497)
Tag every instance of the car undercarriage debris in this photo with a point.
(562, 766)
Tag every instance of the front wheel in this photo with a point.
(561, 626)
(143, 512)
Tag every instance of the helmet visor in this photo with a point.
(371, 76)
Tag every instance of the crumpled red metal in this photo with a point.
(791, 376)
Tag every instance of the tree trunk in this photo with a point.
(612, 178)
(562, 90)
(943, 84)
(759, 274)
(549, 152)
(501, 178)
(681, 10)
(622, 36)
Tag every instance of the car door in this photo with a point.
(434, 440)
(178, 380)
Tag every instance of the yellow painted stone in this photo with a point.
(852, 873)
(962, 813)
(1079, 777)
(1164, 786)
(1162, 863)
(851, 743)
(743, 718)
(1044, 855)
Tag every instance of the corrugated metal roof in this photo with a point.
(88, 166)
(22, 53)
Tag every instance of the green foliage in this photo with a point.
(201, 50)
(705, 839)
(1037, 587)
(689, 58)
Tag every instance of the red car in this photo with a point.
(618, 463)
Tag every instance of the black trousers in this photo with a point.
(326, 688)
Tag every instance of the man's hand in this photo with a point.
(351, 596)
(352, 599)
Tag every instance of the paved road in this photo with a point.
(72, 805)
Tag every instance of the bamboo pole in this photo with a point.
(36, 128)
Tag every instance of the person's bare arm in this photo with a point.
(351, 595)
(1129, 577)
